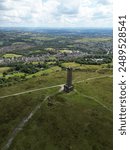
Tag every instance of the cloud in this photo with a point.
(103, 2)
(64, 9)
(68, 7)
(56, 13)
(4, 6)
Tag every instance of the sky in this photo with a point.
(56, 13)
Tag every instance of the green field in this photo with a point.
(4, 69)
(45, 72)
(11, 55)
(65, 51)
(84, 67)
(84, 40)
(70, 64)
(19, 43)
(80, 120)
(18, 74)
(50, 49)
(43, 38)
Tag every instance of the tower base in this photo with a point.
(68, 88)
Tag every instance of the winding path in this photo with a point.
(50, 87)
(21, 125)
(25, 120)
(93, 98)
(30, 91)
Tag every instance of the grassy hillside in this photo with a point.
(80, 120)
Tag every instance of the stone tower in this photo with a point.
(68, 86)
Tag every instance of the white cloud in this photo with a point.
(56, 13)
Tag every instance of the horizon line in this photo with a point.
(62, 27)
